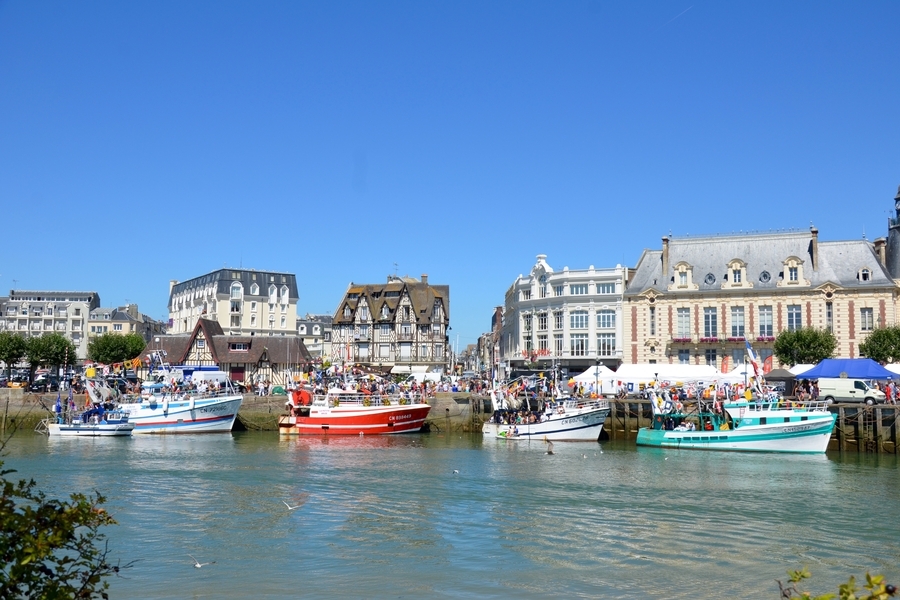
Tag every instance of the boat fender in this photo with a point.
(191, 403)
(165, 405)
(366, 402)
(386, 401)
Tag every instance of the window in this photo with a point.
(235, 320)
(558, 344)
(606, 288)
(364, 312)
(273, 294)
(235, 306)
(118, 326)
(542, 342)
(829, 317)
(385, 331)
(406, 329)
(606, 319)
(283, 321)
(866, 319)
(765, 321)
(711, 356)
(423, 351)
(578, 344)
(606, 344)
(254, 290)
(303, 330)
(239, 347)
(557, 320)
(793, 274)
(652, 320)
(794, 317)
(578, 289)
(438, 351)
(237, 290)
(578, 319)
(683, 322)
(363, 350)
(737, 321)
(529, 343)
(385, 311)
(252, 320)
(315, 330)
(542, 321)
(710, 323)
(526, 321)
(682, 281)
(346, 311)
(542, 290)
(201, 343)
(384, 350)
(253, 306)
(735, 276)
(364, 331)
(558, 290)
(526, 294)
(284, 294)
(684, 357)
(865, 275)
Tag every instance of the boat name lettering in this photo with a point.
(214, 409)
(398, 417)
(574, 420)
(797, 428)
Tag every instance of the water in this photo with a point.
(388, 517)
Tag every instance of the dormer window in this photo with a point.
(865, 275)
(736, 276)
(385, 311)
(793, 272)
(347, 312)
(254, 290)
(684, 277)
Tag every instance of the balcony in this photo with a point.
(682, 340)
(709, 340)
(405, 337)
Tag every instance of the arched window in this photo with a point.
(284, 294)
(273, 294)
(254, 290)
(237, 291)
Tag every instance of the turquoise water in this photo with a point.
(388, 517)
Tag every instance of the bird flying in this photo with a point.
(198, 564)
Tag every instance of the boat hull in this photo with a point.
(809, 437)
(581, 427)
(357, 420)
(202, 415)
(90, 429)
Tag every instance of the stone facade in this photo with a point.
(242, 301)
(697, 299)
(33, 313)
(570, 319)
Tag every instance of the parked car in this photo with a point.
(45, 384)
(18, 381)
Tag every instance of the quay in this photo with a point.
(859, 428)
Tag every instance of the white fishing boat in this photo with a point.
(565, 419)
(174, 407)
(92, 423)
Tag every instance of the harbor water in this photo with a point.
(458, 516)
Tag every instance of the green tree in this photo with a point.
(114, 348)
(882, 345)
(12, 349)
(49, 350)
(805, 345)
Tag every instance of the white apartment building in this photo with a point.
(571, 319)
(242, 301)
(34, 313)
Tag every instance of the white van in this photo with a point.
(849, 390)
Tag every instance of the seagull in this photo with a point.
(584, 456)
(456, 471)
(549, 448)
(198, 564)
(291, 507)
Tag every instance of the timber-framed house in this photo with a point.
(398, 326)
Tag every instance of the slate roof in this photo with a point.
(222, 279)
(839, 262)
(421, 295)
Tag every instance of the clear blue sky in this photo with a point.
(147, 141)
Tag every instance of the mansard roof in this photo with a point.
(222, 279)
(839, 262)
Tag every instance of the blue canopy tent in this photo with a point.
(852, 368)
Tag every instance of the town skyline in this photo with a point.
(348, 142)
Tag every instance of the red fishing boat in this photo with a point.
(342, 412)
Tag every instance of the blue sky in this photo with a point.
(147, 141)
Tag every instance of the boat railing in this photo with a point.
(361, 399)
(178, 395)
(784, 404)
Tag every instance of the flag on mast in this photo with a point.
(754, 362)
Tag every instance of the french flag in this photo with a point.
(753, 360)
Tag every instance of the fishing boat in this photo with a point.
(348, 412)
(564, 419)
(765, 424)
(174, 408)
(94, 422)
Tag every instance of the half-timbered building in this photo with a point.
(247, 359)
(398, 326)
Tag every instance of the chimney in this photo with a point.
(880, 245)
(425, 278)
(172, 283)
(665, 258)
(814, 246)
